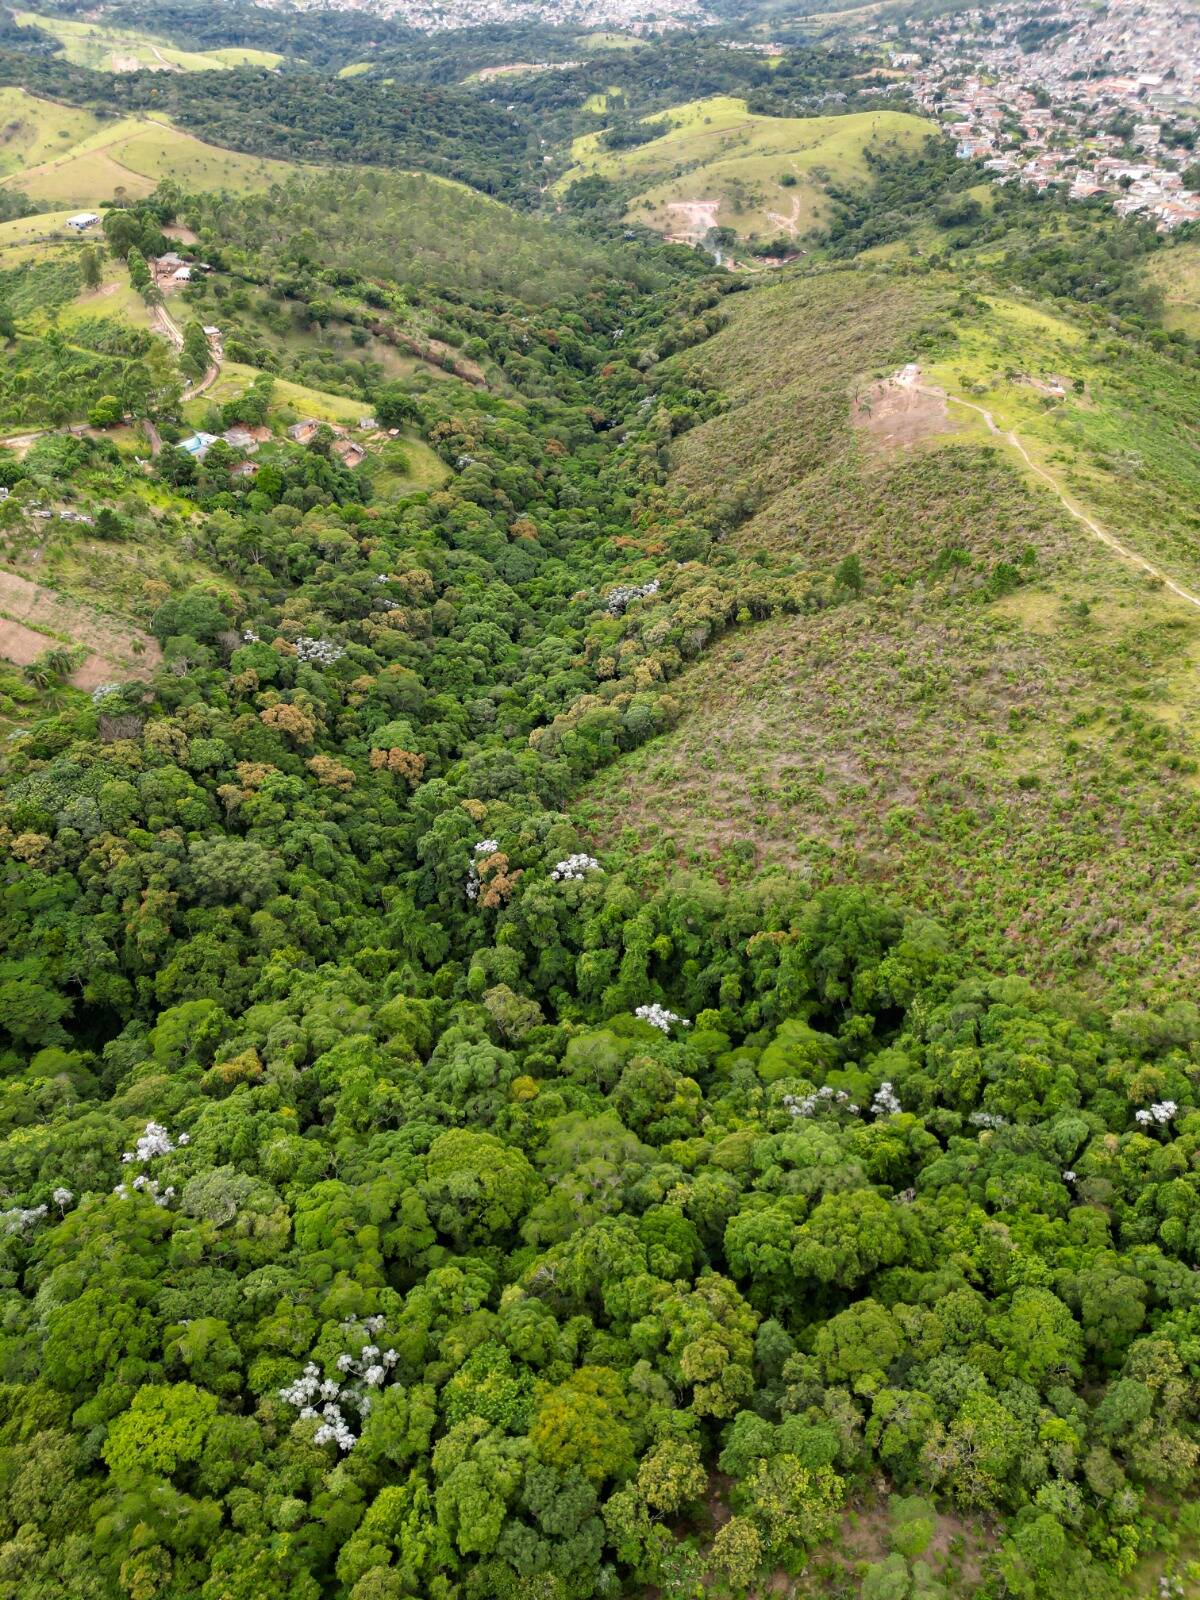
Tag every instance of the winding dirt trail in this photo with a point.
(1014, 442)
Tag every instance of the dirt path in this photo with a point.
(172, 332)
(165, 65)
(790, 224)
(167, 326)
(207, 381)
(1013, 441)
(22, 441)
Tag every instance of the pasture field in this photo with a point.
(610, 40)
(1176, 271)
(718, 164)
(236, 378)
(105, 49)
(130, 156)
(35, 131)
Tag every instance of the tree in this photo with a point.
(105, 412)
(122, 230)
(91, 266)
(859, 1345)
(792, 1507)
(395, 407)
(194, 357)
(1039, 1336)
(737, 1552)
(579, 1424)
(847, 1237)
(164, 1429)
(139, 272)
(476, 1188)
(671, 1475)
(849, 574)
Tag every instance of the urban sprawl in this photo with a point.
(1098, 100)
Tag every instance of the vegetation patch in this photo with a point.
(128, 159)
(997, 719)
(764, 177)
(109, 49)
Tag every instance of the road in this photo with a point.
(167, 326)
(1013, 441)
(171, 330)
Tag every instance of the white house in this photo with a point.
(84, 219)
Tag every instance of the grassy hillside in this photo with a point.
(717, 164)
(95, 160)
(107, 49)
(1002, 722)
(33, 131)
(1176, 271)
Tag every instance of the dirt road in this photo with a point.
(909, 377)
(173, 333)
(167, 326)
(22, 441)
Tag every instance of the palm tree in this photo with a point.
(52, 667)
(61, 660)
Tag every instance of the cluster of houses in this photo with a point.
(1098, 101)
(348, 451)
(172, 271)
(246, 441)
(632, 16)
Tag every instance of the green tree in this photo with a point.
(91, 266)
(164, 1429)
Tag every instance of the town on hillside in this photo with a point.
(438, 16)
(1097, 100)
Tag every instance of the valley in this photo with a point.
(599, 785)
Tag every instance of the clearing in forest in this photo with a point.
(767, 175)
(34, 620)
(900, 414)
